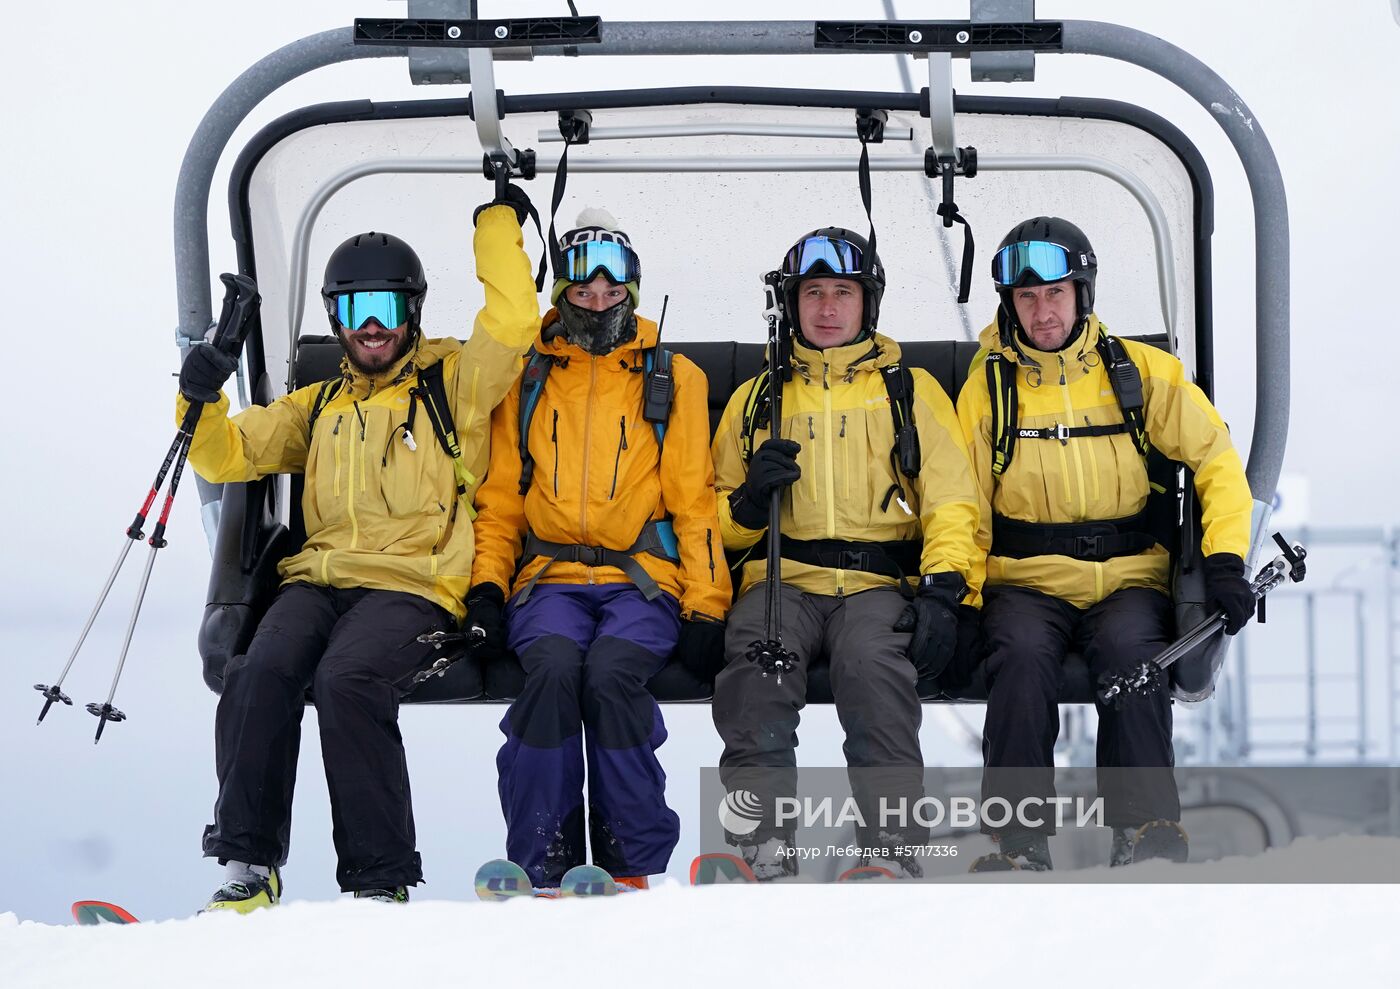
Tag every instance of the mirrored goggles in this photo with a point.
(840, 257)
(354, 309)
(1049, 262)
(582, 263)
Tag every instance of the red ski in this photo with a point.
(90, 913)
(716, 868)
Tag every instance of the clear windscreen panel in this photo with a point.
(710, 212)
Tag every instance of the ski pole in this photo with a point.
(240, 304)
(134, 533)
(769, 652)
(1145, 679)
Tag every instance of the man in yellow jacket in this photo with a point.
(1059, 417)
(879, 513)
(598, 522)
(388, 551)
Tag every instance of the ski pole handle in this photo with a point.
(241, 304)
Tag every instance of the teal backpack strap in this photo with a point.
(532, 380)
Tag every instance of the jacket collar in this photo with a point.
(551, 341)
(843, 363)
(1078, 357)
(420, 355)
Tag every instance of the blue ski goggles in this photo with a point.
(352, 310)
(839, 257)
(1048, 262)
(583, 262)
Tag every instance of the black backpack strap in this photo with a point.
(899, 384)
(536, 373)
(439, 409)
(330, 388)
(1001, 391)
(757, 412)
(1127, 388)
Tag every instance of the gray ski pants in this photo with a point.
(872, 682)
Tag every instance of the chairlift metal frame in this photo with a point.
(438, 55)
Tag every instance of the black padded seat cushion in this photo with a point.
(727, 365)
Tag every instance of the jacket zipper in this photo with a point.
(710, 550)
(1078, 457)
(830, 475)
(350, 500)
(617, 459)
(587, 441)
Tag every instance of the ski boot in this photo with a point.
(246, 890)
(1019, 853)
(630, 884)
(397, 894)
(1159, 839)
(872, 867)
(770, 860)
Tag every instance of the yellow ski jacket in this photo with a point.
(1086, 478)
(378, 514)
(600, 476)
(837, 407)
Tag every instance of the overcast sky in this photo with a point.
(100, 102)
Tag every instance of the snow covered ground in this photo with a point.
(980, 931)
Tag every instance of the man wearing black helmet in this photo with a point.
(1063, 422)
(392, 450)
(879, 512)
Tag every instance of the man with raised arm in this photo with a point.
(393, 450)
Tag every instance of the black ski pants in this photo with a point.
(872, 682)
(356, 650)
(1026, 635)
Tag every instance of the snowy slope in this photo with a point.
(974, 932)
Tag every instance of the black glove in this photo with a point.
(204, 372)
(933, 618)
(515, 198)
(701, 647)
(773, 466)
(960, 671)
(1227, 589)
(486, 605)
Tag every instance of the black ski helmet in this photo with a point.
(867, 270)
(1082, 266)
(375, 262)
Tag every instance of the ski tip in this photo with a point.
(91, 913)
(718, 868)
(587, 880)
(501, 879)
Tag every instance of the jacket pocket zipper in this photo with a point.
(335, 443)
(710, 550)
(554, 438)
(617, 458)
